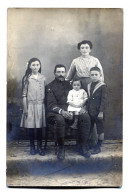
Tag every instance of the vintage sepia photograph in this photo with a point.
(64, 97)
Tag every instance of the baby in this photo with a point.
(76, 99)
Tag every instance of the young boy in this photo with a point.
(96, 105)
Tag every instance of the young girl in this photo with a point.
(76, 99)
(80, 67)
(33, 93)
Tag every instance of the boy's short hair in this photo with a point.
(95, 69)
(59, 66)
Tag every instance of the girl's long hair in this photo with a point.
(29, 71)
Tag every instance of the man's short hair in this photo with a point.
(59, 66)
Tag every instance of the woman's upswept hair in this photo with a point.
(29, 71)
(85, 42)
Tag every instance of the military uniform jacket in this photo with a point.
(97, 100)
(56, 95)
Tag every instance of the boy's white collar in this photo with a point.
(96, 87)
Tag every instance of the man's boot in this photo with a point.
(85, 151)
(60, 141)
(97, 149)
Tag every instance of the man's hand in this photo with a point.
(100, 115)
(66, 114)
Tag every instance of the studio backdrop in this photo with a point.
(52, 36)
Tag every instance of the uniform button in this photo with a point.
(93, 98)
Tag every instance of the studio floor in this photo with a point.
(100, 170)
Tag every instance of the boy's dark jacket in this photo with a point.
(97, 100)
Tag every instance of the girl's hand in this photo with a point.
(25, 109)
(25, 112)
(100, 115)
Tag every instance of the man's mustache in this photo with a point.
(61, 77)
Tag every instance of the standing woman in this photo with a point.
(33, 93)
(80, 67)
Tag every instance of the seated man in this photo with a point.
(56, 95)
